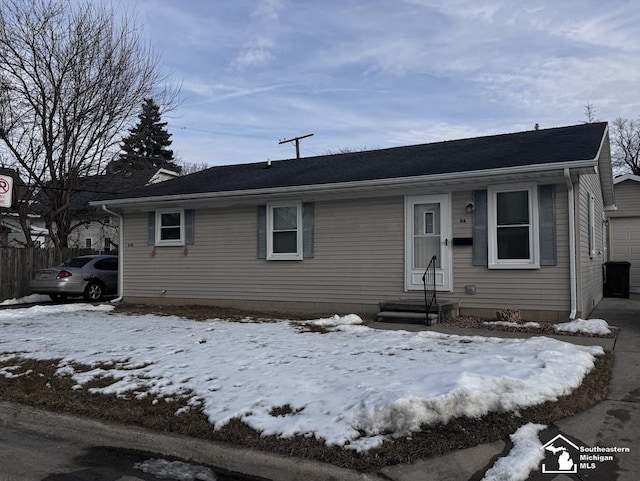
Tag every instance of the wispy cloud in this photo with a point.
(379, 73)
(218, 92)
(256, 52)
(260, 49)
(269, 9)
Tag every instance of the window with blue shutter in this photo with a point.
(285, 231)
(171, 227)
(515, 227)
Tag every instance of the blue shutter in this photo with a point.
(189, 226)
(480, 232)
(152, 229)
(547, 219)
(307, 230)
(262, 232)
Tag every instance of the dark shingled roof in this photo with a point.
(563, 144)
(95, 187)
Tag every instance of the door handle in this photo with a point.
(446, 242)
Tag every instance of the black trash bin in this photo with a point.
(616, 279)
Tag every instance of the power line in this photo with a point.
(218, 132)
(297, 142)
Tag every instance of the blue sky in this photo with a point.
(373, 73)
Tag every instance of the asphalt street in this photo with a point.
(29, 456)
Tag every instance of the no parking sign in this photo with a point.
(6, 186)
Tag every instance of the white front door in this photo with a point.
(427, 234)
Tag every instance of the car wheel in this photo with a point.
(58, 297)
(93, 292)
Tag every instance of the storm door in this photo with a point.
(427, 234)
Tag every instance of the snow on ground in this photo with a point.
(33, 298)
(588, 326)
(525, 456)
(352, 386)
(535, 325)
(161, 468)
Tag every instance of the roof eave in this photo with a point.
(622, 178)
(578, 166)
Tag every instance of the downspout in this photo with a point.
(572, 244)
(120, 254)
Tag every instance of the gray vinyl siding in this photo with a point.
(544, 289)
(358, 258)
(358, 262)
(589, 267)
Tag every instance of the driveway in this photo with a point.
(616, 420)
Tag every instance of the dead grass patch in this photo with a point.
(546, 327)
(40, 387)
(198, 312)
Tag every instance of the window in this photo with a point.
(76, 262)
(513, 228)
(107, 244)
(87, 243)
(284, 231)
(107, 264)
(428, 223)
(170, 227)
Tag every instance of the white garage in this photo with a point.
(625, 245)
(624, 226)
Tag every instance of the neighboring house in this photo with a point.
(624, 226)
(11, 233)
(515, 220)
(95, 229)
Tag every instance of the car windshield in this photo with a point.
(77, 262)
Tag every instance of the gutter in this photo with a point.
(120, 254)
(572, 244)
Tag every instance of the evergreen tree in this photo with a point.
(146, 145)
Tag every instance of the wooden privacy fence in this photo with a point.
(17, 266)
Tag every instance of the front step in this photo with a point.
(408, 317)
(412, 311)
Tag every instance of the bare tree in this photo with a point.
(348, 150)
(72, 77)
(590, 113)
(192, 167)
(625, 145)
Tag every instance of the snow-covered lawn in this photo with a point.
(353, 386)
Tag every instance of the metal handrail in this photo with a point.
(429, 281)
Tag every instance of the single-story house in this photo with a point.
(624, 226)
(515, 221)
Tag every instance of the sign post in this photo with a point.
(6, 190)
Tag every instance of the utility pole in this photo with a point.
(297, 141)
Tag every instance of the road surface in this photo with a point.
(29, 456)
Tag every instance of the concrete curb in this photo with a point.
(227, 457)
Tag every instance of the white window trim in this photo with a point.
(534, 260)
(172, 242)
(293, 256)
(591, 207)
